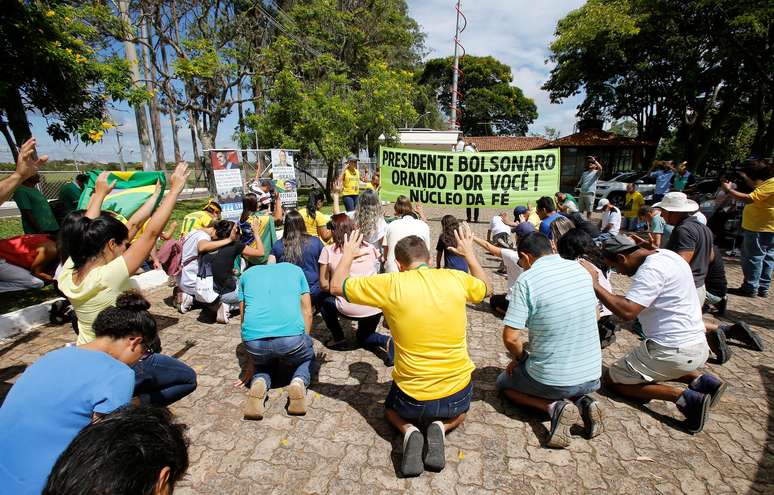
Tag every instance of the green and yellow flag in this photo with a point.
(131, 191)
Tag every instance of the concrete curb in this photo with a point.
(25, 319)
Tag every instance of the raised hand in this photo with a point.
(337, 186)
(464, 237)
(27, 164)
(234, 233)
(179, 176)
(102, 187)
(352, 243)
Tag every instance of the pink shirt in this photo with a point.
(361, 267)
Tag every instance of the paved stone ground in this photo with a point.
(343, 445)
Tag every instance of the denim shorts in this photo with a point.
(417, 410)
(520, 381)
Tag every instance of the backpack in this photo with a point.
(170, 255)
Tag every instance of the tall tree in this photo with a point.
(55, 62)
(491, 104)
(671, 66)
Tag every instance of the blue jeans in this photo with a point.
(350, 202)
(631, 223)
(757, 260)
(520, 381)
(160, 380)
(294, 352)
(417, 410)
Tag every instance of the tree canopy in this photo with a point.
(491, 104)
(699, 70)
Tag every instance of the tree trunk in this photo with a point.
(240, 111)
(139, 109)
(17, 116)
(171, 111)
(9, 139)
(148, 62)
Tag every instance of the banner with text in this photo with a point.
(228, 182)
(445, 178)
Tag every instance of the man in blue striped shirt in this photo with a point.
(564, 360)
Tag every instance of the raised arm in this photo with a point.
(256, 251)
(143, 213)
(739, 196)
(101, 189)
(207, 246)
(279, 213)
(490, 248)
(26, 166)
(139, 250)
(420, 211)
(465, 249)
(349, 251)
(335, 193)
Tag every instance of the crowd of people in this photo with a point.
(98, 396)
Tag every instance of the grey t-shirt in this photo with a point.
(691, 235)
(588, 181)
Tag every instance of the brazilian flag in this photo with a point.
(131, 191)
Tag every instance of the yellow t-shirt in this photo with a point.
(320, 220)
(96, 292)
(758, 216)
(425, 309)
(351, 183)
(195, 220)
(369, 186)
(534, 219)
(632, 203)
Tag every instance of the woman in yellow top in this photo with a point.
(350, 179)
(632, 204)
(316, 221)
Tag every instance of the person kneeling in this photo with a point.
(564, 359)
(276, 319)
(425, 309)
(367, 318)
(663, 296)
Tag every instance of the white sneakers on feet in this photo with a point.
(186, 302)
(223, 313)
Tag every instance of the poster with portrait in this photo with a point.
(284, 175)
(228, 182)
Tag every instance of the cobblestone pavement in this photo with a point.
(343, 444)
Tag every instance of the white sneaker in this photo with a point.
(186, 302)
(223, 313)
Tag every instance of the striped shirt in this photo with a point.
(555, 300)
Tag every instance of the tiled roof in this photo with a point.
(506, 143)
(596, 137)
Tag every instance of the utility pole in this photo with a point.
(139, 109)
(456, 69)
(120, 150)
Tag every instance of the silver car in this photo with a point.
(615, 189)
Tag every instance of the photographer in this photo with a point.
(588, 185)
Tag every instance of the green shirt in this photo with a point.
(30, 198)
(69, 194)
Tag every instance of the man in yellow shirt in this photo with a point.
(200, 219)
(425, 310)
(631, 209)
(350, 179)
(758, 229)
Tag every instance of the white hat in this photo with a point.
(677, 202)
(602, 203)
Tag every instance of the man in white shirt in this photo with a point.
(407, 224)
(660, 296)
(510, 257)
(611, 219)
(499, 233)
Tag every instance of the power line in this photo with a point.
(286, 31)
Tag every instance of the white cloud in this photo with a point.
(516, 32)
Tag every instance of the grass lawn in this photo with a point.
(10, 227)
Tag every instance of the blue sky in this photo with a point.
(516, 32)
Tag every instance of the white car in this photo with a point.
(615, 189)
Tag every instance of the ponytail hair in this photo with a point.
(68, 229)
(311, 206)
(128, 318)
(86, 238)
(449, 225)
(249, 206)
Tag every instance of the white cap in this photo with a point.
(602, 203)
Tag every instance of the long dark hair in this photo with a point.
(449, 225)
(249, 206)
(68, 229)
(86, 238)
(294, 237)
(342, 226)
(311, 205)
(128, 318)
